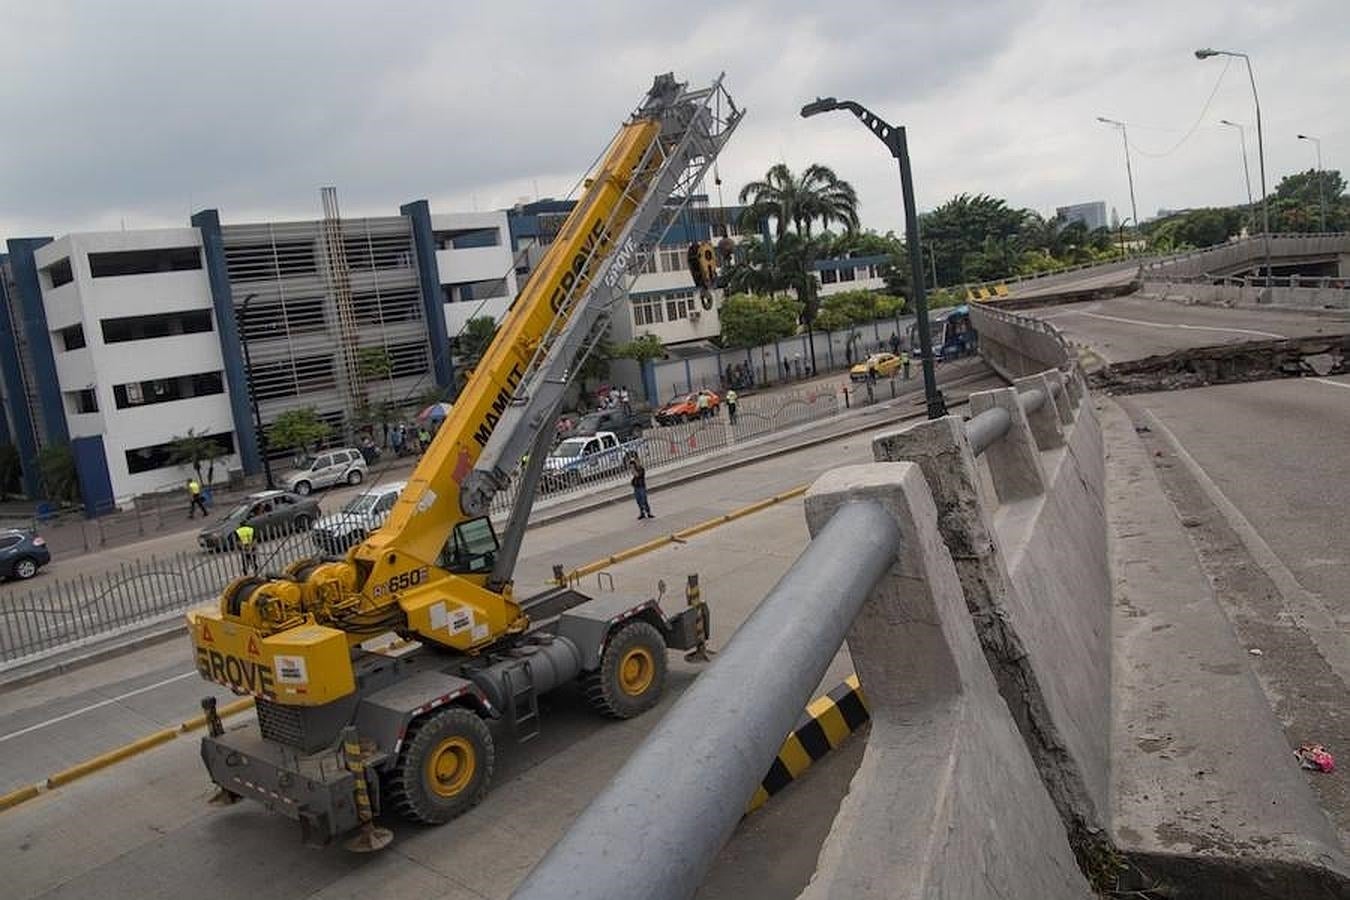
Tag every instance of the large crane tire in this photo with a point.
(444, 768)
(632, 673)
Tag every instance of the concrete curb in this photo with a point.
(826, 724)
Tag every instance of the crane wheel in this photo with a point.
(632, 673)
(444, 768)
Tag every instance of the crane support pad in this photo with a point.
(316, 791)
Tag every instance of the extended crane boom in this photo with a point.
(436, 571)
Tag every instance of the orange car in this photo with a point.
(682, 409)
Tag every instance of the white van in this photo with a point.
(361, 515)
(344, 466)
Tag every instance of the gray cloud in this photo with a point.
(139, 111)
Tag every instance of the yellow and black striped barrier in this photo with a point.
(826, 724)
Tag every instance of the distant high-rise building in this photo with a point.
(1092, 215)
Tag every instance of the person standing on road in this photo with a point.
(904, 362)
(196, 501)
(248, 550)
(639, 482)
(731, 406)
(702, 404)
(895, 343)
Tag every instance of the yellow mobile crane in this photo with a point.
(343, 731)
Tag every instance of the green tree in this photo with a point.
(749, 320)
(373, 363)
(300, 429)
(193, 449)
(1296, 204)
(848, 308)
(56, 467)
(976, 231)
(783, 198)
(643, 348)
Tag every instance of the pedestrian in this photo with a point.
(639, 482)
(702, 404)
(625, 401)
(731, 406)
(248, 550)
(904, 363)
(423, 439)
(895, 343)
(196, 501)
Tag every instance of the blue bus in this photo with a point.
(953, 333)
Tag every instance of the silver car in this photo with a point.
(362, 514)
(342, 466)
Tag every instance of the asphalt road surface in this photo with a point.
(1127, 328)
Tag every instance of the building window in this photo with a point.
(679, 305)
(828, 276)
(140, 328)
(644, 264)
(165, 390)
(648, 311)
(79, 402)
(144, 262)
(674, 260)
(59, 273)
(466, 238)
(72, 338)
(159, 456)
(471, 291)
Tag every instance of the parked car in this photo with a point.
(682, 409)
(625, 425)
(343, 466)
(271, 513)
(884, 364)
(581, 459)
(22, 553)
(359, 516)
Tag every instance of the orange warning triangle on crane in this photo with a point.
(252, 647)
(206, 634)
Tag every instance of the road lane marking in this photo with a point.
(1343, 384)
(1269, 334)
(93, 706)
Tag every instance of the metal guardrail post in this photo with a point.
(655, 830)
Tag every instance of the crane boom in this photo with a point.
(436, 569)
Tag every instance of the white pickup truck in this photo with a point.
(589, 458)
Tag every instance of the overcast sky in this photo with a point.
(135, 113)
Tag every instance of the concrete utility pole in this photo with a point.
(1321, 182)
(1129, 172)
(1260, 145)
(1246, 171)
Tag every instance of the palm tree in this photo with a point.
(783, 197)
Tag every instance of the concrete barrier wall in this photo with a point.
(1245, 252)
(998, 687)
(947, 801)
(1015, 346)
(1251, 295)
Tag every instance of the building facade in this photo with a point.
(1092, 215)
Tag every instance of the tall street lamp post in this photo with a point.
(241, 318)
(1260, 145)
(1321, 186)
(1129, 173)
(894, 139)
(1246, 171)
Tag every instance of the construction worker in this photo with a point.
(197, 501)
(702, 404)
(904, 362)
(731, 406)
(248, 550)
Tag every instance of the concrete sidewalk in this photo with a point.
(1206, 793)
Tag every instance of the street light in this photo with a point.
(894, 139)
(1129, 174)
(1246, 172)
(1260, 146)
(241, 319)
(1321, 190)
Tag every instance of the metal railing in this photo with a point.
(703, 762)
(992, 425)
(69, 612)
